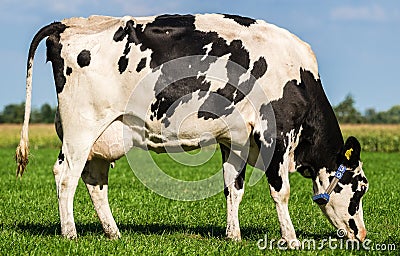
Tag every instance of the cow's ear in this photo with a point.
(351, 153)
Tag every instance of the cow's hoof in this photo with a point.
(290, 243)
(70, 235)
(69, 231)
(234, 236)
(114, 235)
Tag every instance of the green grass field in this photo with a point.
(153, 225)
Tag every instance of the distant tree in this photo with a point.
(346, 112)
(371, 116)
(393, 115)
(48, 113)
(36, 116)
(13, 113)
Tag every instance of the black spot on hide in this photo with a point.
(60, 157)
(353, 226)
(141, 65)
(122, 64)
(244, 21)
(239, 182)
(130, 32)
(83, 58)
(226, 192)
(355, 202)
(69, 71)
(54, 47)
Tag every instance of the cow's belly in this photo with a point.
(188, 134)
(110, 144)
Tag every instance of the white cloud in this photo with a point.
(362, 13)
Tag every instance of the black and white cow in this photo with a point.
(269, 110)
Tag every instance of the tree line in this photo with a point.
(14, 114)
(345, 112)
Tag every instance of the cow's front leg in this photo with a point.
(95, 176)
(234, 172)
(280, 192)
(66, 185)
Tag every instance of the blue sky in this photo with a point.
(357, 43)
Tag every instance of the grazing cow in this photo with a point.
(117, 89)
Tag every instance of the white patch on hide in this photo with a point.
(291, 143)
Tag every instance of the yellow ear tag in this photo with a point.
(348, 153)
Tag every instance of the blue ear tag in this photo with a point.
(324, 197)
(321, 198)
(340, 171)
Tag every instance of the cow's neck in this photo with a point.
(321, 139)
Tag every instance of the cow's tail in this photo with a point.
(22, 152)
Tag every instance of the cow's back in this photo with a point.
(210, 34)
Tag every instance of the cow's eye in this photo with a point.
(364, 187)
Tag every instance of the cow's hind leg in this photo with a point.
(234, 172)
(66, 186)
(95, 176)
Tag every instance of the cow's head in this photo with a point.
(344, 209)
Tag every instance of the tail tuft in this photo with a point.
(21, 157)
